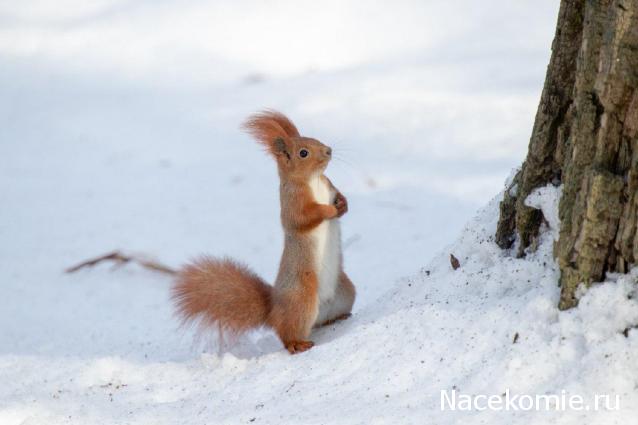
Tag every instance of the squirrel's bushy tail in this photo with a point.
(221, 293)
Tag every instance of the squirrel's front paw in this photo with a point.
(329, 211)
(341, 203)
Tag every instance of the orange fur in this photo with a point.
(225, 294)
(268, 126)
(312, 214)
(293, 310)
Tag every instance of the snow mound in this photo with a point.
(489, 327)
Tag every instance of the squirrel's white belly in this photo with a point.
(327, 237)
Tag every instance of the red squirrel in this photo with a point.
(311, 288)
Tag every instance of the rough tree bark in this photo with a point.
(585, 136)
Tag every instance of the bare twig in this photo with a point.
(121, 259)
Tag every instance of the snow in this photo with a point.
(546, 199)
(119, 129)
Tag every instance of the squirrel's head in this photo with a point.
(296, 156)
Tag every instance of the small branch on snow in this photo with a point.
(121, 259)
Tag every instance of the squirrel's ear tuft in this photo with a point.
(272, 129)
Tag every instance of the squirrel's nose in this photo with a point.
(328, 151)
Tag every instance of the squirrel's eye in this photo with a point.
(303, 153)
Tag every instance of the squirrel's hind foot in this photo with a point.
(295, 347)
(336, 319)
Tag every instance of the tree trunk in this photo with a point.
(585, 136)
